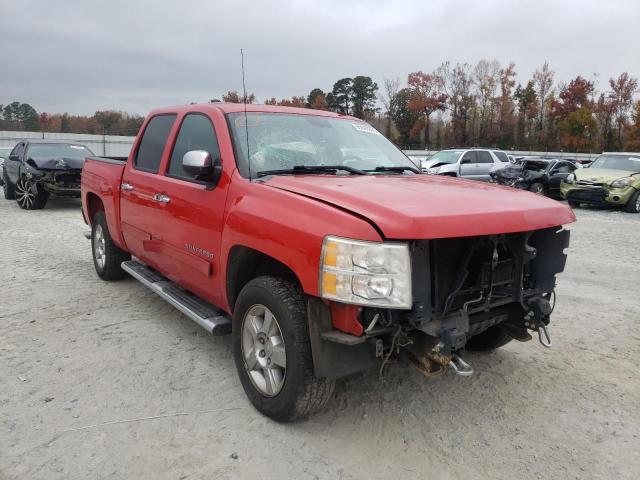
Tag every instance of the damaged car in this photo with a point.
(539, 175)
(612, 179)
(36, 169)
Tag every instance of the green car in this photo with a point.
(612, 179)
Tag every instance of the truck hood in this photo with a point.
(427, 207)
(59, 163)
(601, 175)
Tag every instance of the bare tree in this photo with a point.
(391, 88)
(486, 77)
(543, 81)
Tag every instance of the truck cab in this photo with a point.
(320, 247)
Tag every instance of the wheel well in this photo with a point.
(246, 264)
(94, 205)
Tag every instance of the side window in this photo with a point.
(196, 133)
(501, 156)
(18, 150)
(153, 141)
(469, 157)
(562, 168)
(484, 156)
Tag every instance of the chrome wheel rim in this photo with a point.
(99, 247)
(638, 204)
(263, 350)
(24, 196)
(538, 188)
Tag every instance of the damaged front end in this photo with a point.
(483, 290)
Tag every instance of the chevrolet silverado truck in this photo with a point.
(320, 247)
(36, 169)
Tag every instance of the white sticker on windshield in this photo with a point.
(77, 147)
(365, 127)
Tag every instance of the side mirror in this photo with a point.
(465, 161)
(15, 158)
(200, 164)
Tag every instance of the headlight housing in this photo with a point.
(622, 182)
(571, 178)
(366, 273)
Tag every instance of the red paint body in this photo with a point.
(287, 217)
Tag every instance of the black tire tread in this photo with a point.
(491, 339)
(313, 393)
(631, 204)
(115, 255)
(8, 189)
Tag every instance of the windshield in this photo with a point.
(617, 162)
(445, 156)
(58, 150)
(279, 141)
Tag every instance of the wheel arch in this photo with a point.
(94, 205)
(245, 263)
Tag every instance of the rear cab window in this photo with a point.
(153, 142)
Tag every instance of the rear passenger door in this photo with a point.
(485, 164)
(469, 165)
(140, 210)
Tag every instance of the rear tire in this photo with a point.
(633, 205)
(8, 189)
(107, 256)
(491, 339)
(26, 198)
(297, 392)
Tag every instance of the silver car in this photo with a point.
(474, 163)
(4, 153)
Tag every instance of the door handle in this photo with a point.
(126, 187)
(161, 198)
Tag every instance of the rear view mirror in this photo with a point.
(200, 164)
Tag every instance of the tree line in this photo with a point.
(454, 105)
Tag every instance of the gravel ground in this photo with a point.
(105, 380)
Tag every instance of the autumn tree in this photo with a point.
(427, 97)
(622, 90)
(527, 109)
(313, 95)
(390, 89)
(633, 130)
(403, 117)
(573, 112)
(232, 96)
(107, 119)
(506, 106)
(457, 86)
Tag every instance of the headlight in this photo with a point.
(434, 171)
(571, 178)
(622, 182)
(366, 273)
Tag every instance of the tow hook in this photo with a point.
(459, 366)
(540, 309)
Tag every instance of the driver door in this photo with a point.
(558, 173)
(469, 167)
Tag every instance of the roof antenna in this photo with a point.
(246, 123)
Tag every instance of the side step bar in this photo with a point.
(209, 317)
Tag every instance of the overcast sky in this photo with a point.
(81, 56)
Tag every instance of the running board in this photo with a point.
(209, 317)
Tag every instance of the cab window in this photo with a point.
(484, 157)
(153, 142)
(196, 133)
(469, 157)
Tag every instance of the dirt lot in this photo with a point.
(105, 380)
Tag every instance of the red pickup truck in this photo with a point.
(320, 247)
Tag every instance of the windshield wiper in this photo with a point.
(311, 169)
(395, 169)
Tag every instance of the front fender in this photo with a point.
(287, 227)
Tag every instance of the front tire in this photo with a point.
(633, 205)
(491, 339)
(272, 351)
(537, 187)
(27, 198)
(8, 189)
(107, 256)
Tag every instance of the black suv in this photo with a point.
(36, 169)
